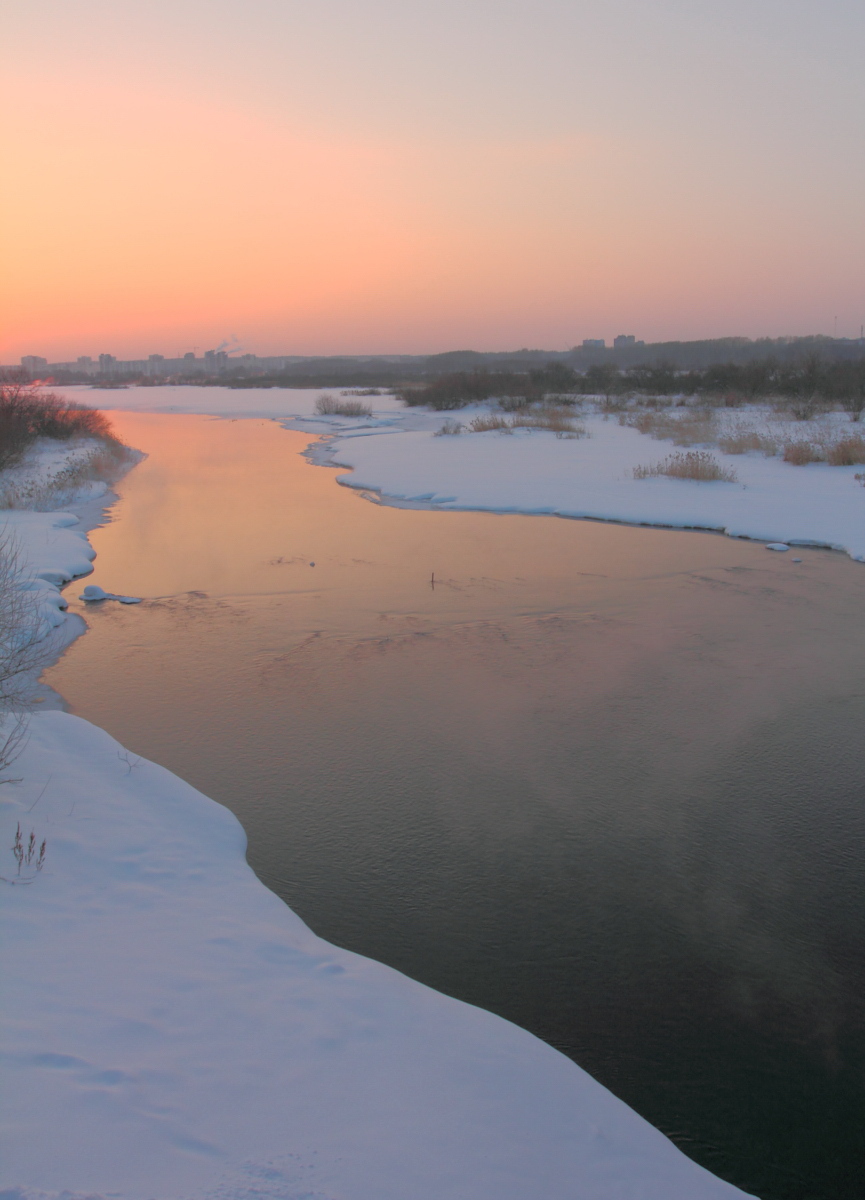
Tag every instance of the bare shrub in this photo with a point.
(20, 633)
(860, 477)
(846, 452)
(26, 413)
(449, 429)
(512, 404)
(694, 464)
(330, 406)
(802, 408)
(855, 404)
(803, 452)
(489, 422)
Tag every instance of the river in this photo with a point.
(605, 781)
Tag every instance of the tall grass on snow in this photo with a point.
(100, 462)
(693, 427)
(555, 419)
(694, 464)
(846, 452)
(331, 406)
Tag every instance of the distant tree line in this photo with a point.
(811, 377)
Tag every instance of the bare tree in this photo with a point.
(20, 657)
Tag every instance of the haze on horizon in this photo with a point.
(363, 176)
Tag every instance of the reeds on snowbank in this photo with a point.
(693, 464)
(331, 406)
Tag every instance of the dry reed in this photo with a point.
(694, 464)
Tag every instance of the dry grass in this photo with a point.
(488, 423)
(743, 439)
(330, 406)
(103, 463)
(693, 427)
(556, 419)
(803, 452)
(846, 452)
(694, 464)
(552, 418)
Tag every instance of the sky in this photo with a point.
(374, 176)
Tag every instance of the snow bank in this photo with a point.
(530, 471)
(52, 548)
(174, 1030)
(533, 472)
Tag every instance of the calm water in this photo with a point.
(607, 782)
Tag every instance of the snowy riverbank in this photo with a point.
(395, 454)
(173, 1030)
(532, 471)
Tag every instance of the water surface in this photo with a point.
(604, 781)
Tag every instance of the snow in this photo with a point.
(92, 594)
(52, 548)
(45, 476)
(174, 1030)
(531, 471)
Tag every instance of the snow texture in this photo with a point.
(52, 548)
(172, 1029)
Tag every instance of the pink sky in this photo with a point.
(362, 176)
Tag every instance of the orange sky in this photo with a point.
(362, 180)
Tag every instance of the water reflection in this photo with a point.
(605, 781)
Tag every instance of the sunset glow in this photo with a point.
(363, 178)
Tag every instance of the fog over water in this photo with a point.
(605, 781)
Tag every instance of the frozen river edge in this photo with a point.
(592, 478)
(174, 1030)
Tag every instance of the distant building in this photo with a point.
(84, 360)
(215, 360)
(107, 362)
(33, 364)
(594, 343)
(189, 356)
(624, 340)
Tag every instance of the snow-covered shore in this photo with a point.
(396, 455)
(174, 1030)
(171, 1029)
(52, 501)
(531, 471)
